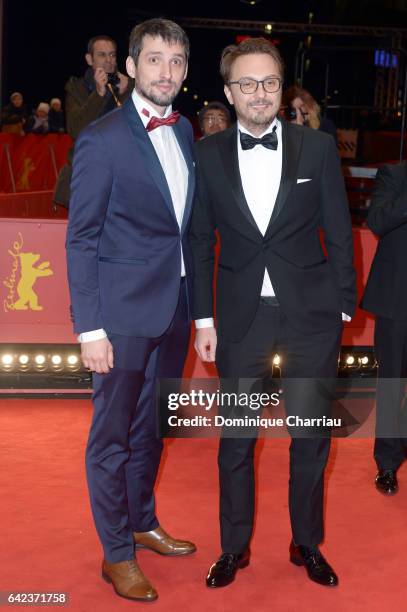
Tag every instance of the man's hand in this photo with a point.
(97, 355)
(124, 82)
(100, 77)
(205, 343)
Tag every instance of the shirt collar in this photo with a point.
(142, 105)
(273, 124)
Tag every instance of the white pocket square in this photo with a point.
(303, 180)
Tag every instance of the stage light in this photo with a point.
(24, 359)
(276, 360)
(7, 359)
(350, 360)
(268, 27)
(72, 359)
(364, 360)
(40, 359)
(185, 89)
(195, 96)
(206, 103)
(56, 359)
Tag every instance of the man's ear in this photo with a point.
(131, 67)
(89, 59)
(186, 72)
(228, 94)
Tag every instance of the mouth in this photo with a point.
(164, 87)
(260, 105)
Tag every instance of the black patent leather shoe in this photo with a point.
(223, 572)
(318, 569)
(386, 482)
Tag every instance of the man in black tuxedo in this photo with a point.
(268, 187)
(386, 296)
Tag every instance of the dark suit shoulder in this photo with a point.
(315, 137)
(107, 124)
(397, 172)
(206, 145)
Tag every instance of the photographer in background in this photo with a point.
(301, 108)
(99, 91)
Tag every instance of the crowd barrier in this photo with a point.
(32, 162)
(34, 292)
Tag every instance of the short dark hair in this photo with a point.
(91, 42)
(168, 30)
(215, 105)
(248, 47)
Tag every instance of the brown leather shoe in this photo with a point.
(161, 542)
(128, 580)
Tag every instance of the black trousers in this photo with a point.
(391, 415)
(303, 355)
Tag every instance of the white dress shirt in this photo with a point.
(260, 172)
(175, 170)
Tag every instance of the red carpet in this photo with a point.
(48, 542)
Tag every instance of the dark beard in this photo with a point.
(158, 99)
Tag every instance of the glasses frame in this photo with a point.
(280, 81)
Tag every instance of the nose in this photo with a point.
(166, 70)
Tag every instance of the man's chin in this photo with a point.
(163, 99)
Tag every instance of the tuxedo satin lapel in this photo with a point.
(229, 156)
(186, 151)
(148, 153)
(292, 143)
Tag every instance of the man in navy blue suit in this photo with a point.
(129, 271)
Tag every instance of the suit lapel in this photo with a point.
(292, 143)
(148, 153)
(186, 151)
(230, 159)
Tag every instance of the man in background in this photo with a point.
(100, 90)
(213, 118)
(386, 297)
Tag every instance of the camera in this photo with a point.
(113, 79)
(291, 113)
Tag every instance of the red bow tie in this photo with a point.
(157, 121)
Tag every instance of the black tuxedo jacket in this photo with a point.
(312, 290)
(386, 290)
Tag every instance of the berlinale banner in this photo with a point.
(34, 292)
(32, 162)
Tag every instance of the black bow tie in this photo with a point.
(270, 140)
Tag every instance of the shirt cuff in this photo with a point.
(346, 317)
(201, 323)
(91, 336)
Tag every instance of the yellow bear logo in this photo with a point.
(29, 274)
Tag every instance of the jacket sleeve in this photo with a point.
(81, 108)
(90, 193)
(337, 226)
(388, 209)
(202, 240)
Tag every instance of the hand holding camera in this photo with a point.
(101, 78)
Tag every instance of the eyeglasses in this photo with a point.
(249, 86)
(211, 119)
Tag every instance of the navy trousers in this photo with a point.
(124, 450)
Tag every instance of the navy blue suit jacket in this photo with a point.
(123, 240)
